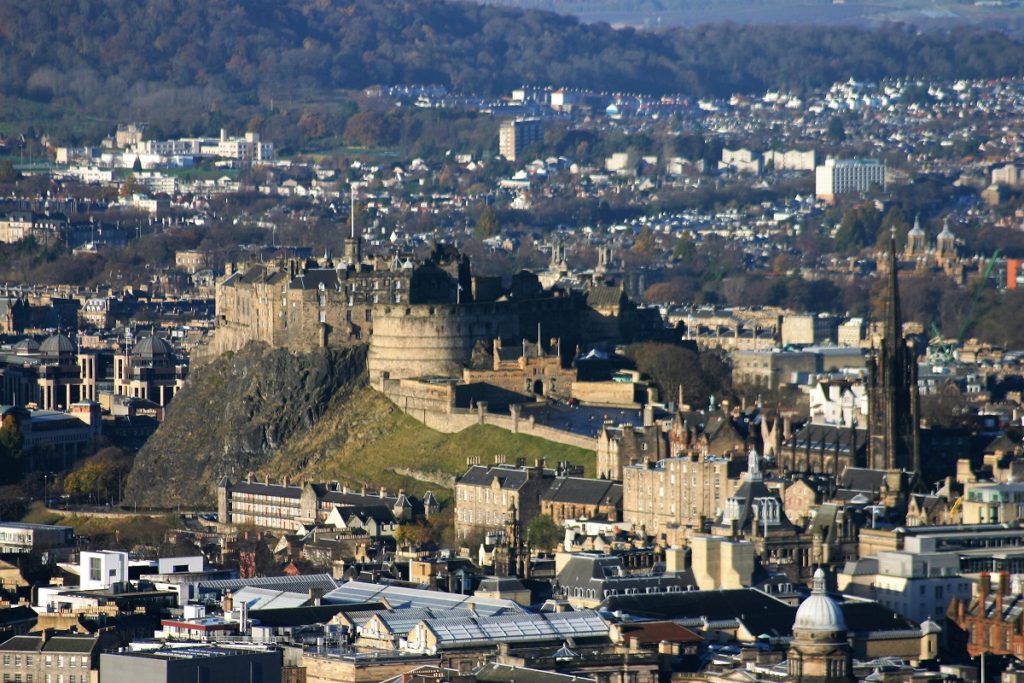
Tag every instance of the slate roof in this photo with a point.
(604, 296)
(314, 277)
(827, 437)
(508, 476)
(17, 615)
(758, 612)
(862, 479)
(78, 644)
(867, 615)
(653, 632)
(378, 513)
(584, 491)
(604, 572)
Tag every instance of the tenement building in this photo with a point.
(49, 656)
(484, 496)
(284, 506)
(676, 497)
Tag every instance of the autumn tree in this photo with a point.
(412, 535)
(99, 477)
(11, 453)
(645, 244)
(131, 186)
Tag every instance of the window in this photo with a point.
(95, 570)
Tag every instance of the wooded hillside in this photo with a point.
(201, 63)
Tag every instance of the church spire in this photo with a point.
(893, 316)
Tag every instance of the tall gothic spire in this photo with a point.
(893, 316)
(894, 437)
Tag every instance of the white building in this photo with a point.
(792, 159)
(918, 581)
(844, 176)
(741, 161)
(101, 570)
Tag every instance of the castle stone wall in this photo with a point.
(425, 340)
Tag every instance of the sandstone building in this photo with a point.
(485, 496)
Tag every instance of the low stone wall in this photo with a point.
(449, 419)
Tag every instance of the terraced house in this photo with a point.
(50, 657)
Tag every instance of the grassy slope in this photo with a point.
(109, 531)
(367, 439)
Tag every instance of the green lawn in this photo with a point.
(368, 440)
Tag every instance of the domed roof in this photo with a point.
(946, 232)
(56, 345)
(152, 347)
(819, 613)
(916, 230)
(26, 347)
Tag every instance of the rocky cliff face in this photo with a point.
(233, 414)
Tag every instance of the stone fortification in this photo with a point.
(433, 340)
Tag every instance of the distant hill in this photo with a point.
(307, 416)
(1006, 17)
(204, 63)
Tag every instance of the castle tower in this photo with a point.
(893, 399)
(819, 652)
(916, 241)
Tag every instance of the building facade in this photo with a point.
(516, 135)
(485, 496)
(50, 657)
(285, 507)
(844, 176)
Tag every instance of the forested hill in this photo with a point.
(144, 57)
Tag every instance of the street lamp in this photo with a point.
(46, 495)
